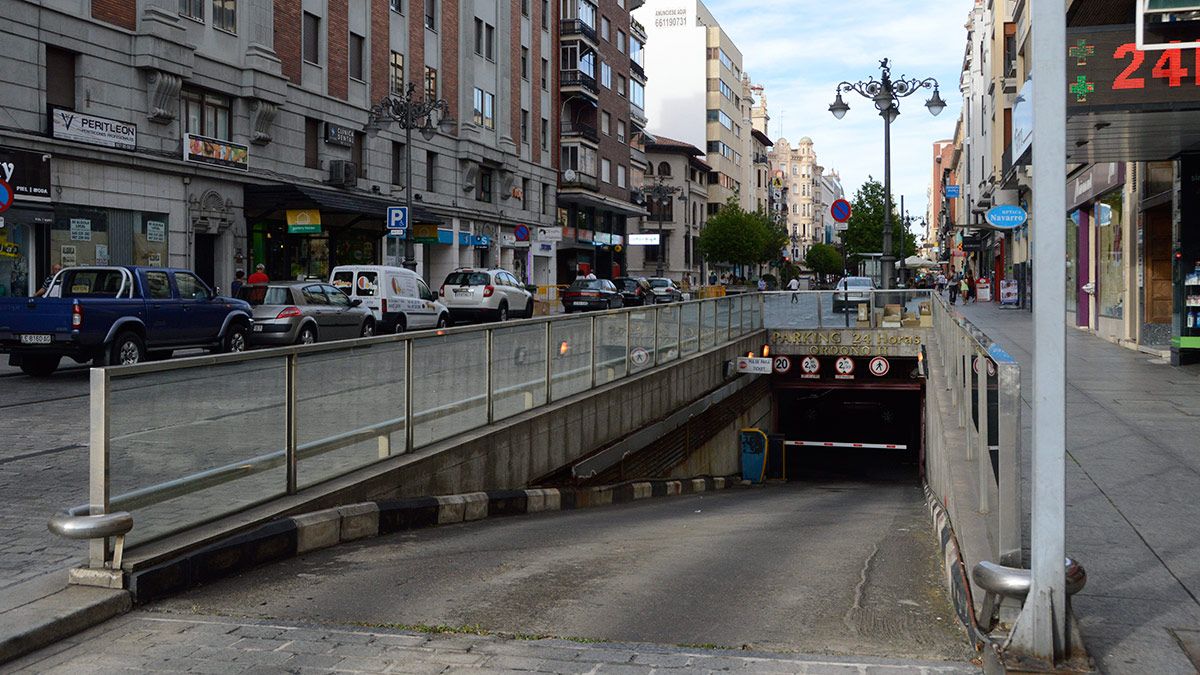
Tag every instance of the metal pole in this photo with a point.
(408, 397)
(985, 454)
(409, 262)
(98, 488)
(292, 416)
(491, 402)
(1009, 436)
(662, 249)
(886, 262)
(1040, 630)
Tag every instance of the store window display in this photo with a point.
(14, 260)
(1110, 283)
(82, 236)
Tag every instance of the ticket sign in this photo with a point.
(1105, 68)
(755, 366)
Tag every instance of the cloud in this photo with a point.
(799, 50)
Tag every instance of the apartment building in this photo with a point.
(676, 221)
(221, 135)
(802, 179)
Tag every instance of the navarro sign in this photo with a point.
(1006, 216)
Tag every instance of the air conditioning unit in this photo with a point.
(343, 173)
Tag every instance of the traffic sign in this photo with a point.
(521, 232)
(879, 366)
(810, 368)
(844, 368)
(397, 220)
(754, 366)
(782, 364)
(6, 196)
(840, 210)
(991, 366)
(639, 356)
(953, 191)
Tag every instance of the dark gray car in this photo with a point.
(304, 312)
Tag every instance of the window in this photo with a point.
(621, 84)
(606, 75)
(524, 7)
(312, 38)
(621, 175)
(489, 41)
(397, 163)
(206, 114)
(524, 63)
(431, 162)
(606, 123)
(356, 56)
(356, 154)
(396, 73)
(192, 9)
(664, 169)
(1110, 284)
(478, 109)
(605, 170)
(160, 285)
(546, 15)
(545, 134)
(605, 27)
(225, 15)
(60, 78)
(637, 93)
(545, 199)
(485, 104)
(431, 14)
(431, 83)
(525, 126)
(545, 74)
(620, 40)
(478, 36)
(397, 6)
(190, 287)
(525, 194)
(621, 130)
(485, 186)
(312, 132)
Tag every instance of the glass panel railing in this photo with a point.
(518, 369)
(689, 333)
(708, 324)
(570, 357)
(641, 339)
(723, 309)
(449, 385)
(612, 347)
(668, 333)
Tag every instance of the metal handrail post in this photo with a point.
(292, 419)
(549, 362)
(985, 455)
(408, 397)
(593, 349)
(487, 378)
(657, 360)
(98, 484)
(1009, 437)
(679, 336)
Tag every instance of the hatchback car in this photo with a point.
(585, 294)
(665, 290)
(479, 294)
(635, 291)
(304, 312)
(851, 291)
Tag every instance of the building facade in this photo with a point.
(679, 220)
(218, 136)
(797, 167)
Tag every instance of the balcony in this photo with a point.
(638, 156)
(634, 4)
(571, 178)
(637, 115)
(637, 29)
(577, 80)
(760, 158)
(579, 130)
(578, 29)
(636, 70)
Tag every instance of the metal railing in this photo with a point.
(179, 443)
(903, 308)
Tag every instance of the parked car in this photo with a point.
(850, 291)
(399, 298)
(665, 290)
(304, 312)
(635, 291)
(114, 315)
(479, 294)
(585, 294)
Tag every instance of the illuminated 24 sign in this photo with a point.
(1106, 69)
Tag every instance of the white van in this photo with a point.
(399, 298)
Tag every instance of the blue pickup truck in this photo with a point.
(119, 316)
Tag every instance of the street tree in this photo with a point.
(824, 260)
(864, 231)
(737, 237)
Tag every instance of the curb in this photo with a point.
(295, 535)
(955, 569)
(56, 617)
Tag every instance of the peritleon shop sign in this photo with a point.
(74, 126)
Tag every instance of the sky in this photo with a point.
(799, 50)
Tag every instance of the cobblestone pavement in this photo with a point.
(1133, 474)
(147, 642)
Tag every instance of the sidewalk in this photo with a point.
(1133, 493)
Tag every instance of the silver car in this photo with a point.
(480, 294)
(304, 312)
(852, 291)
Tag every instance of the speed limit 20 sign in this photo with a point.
(782, 364)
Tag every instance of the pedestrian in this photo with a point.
(590, 275)
(963, 289)
(712, 278)
(971, 291)
(54, 269)
(794, 284)
(239, 280)
(260, 275)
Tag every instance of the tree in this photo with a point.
(824, 260)
(775, 238)
(864, 232)
(738, 237)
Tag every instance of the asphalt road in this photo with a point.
(819, 568)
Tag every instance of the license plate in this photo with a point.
(462, 291)
(258, 328)
(582, 303)
(36, 339)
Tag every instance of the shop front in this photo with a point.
(25, 224)
(1097, 232)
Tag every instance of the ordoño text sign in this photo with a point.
(846, 342)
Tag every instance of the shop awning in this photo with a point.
(263, 201)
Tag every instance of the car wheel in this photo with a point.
(443, 321)
(529, 309)
(368, 328)
(308, 335)
(236, 340)
(502, 313)
(127, 349)
(401, 325)
(39, 365)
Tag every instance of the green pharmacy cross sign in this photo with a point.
(1081, 50)
(1081, 88)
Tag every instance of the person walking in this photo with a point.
(963, 288)
(259, 276)
(971, 288)
(952, 288)
(762, 284)
(239, 280)
(794, 284)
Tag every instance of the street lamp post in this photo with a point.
(660, 193)
(886, 94)
(409, 113)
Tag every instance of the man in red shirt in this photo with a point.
(259, 276)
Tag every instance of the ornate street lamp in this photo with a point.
(886, 93)
(660, 193)
(409, 113)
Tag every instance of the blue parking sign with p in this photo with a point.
(397, 220)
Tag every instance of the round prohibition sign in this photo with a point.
(782, 364)
(844, 365)
(991, 366)
(6, 196)
(810, 365)
(879, 366)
